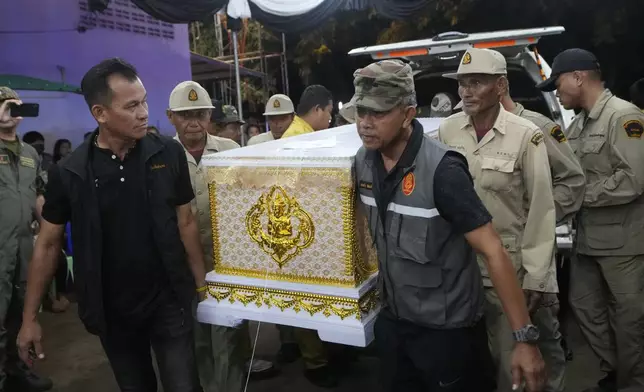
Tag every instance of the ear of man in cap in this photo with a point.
(383, 85)
(570, 60)
(189, 95)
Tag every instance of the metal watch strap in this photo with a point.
(527, 334)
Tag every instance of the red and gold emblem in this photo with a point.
(408, 184)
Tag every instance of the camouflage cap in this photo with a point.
(7, 93)
(383, 85)
(230, 115)
(348, 111)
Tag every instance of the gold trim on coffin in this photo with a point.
(297, 301)
(357, 269)
(280, 240)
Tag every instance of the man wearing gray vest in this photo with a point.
(428, 224)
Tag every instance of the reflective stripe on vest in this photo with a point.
(403, 210)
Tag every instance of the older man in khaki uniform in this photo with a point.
(221, 351)
(607, 289)
(509, 164)
(20, 186)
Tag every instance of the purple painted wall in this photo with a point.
(44, 43)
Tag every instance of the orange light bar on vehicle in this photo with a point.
(403, 53)
(499, 44)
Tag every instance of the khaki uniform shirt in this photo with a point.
(609, 143)
(19, 188)
(261, 138)
(512, 177)
(201, 203)
(568, 180)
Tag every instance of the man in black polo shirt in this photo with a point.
(127, 194)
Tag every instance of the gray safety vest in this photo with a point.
(428, 272)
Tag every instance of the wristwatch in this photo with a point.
(527, 334)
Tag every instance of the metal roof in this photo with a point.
(21, 82)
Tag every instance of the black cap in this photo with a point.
(217, 112)
(569, 60)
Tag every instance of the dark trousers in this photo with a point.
(12, 295)
(169, 332)
(420, 359)
(563, 280)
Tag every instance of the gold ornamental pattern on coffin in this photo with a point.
(340, 251)
(313, 304)
(279, 236)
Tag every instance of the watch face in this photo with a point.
(532, 333)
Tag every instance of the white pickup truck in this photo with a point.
(433, 57)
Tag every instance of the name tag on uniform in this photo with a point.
(366, 185)
(27, 162)
(157, 167)
(4, 159)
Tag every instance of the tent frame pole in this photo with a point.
(286, 86)
(238, 83)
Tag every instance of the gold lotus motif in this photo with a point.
(279, 225)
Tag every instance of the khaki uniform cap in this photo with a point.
(480, 61)
(278, 105)
(189, 95)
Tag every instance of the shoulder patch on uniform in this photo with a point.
(537, 138)
(4, 159)
(558, 134)
(28, 162)
(634, 128)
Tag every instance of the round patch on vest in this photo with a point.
(408, 184)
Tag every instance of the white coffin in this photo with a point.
(290, 246)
